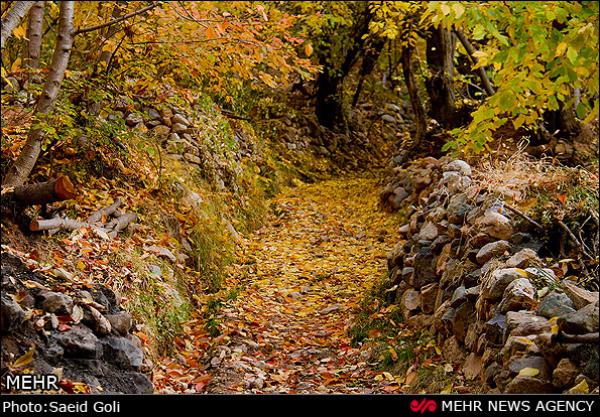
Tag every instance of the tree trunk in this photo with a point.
(369, 60)
(34, 34)
(22, 167)
(12, 19)
(485, 81)
(329, 106)
(415, 101)
(330, 99)
(440, 86)
(58, 189)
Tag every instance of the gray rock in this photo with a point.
(492, 250)
(161, 131)
(11, 313)
(458, 208)
(161, 251)
(155, 270)
(410, 302)
(564, 374)
(55, 302)
(79, 342)
(524, 320)
(516, 364)
(454, 182)
(179, 128)
(424, 268)
(179, 118)
(493, 287)
(397, 197)
(523, 259)
(459, 165)
(584, 320)
(580, 296)
(429, 231)
(428, 297)
(192, 158)
(153, 114)
(495, 328)
(463, 317)
(518, 295)
(98, 322)
(495, 225)
(133, 119)
(555, 304)
(458, 297)
(472, 293)
(529, 385)
(123, 351)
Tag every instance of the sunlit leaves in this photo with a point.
(540, 54)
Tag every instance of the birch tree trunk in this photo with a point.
(34, 34)
(22, 167)
(12, 19)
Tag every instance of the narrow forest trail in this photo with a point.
(304, 274)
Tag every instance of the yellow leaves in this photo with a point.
(16, 65)
(529, 372)
(20, 32)
(581, 388)
(23, 360)
(560, 49)
(458, 9)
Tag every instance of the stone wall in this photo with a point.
(471, 271)
(79, 334)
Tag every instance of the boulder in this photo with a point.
(429, 231)
(179, 118)
(424, 264)
(555, 304)
(473, 366)
(518, 295)
(523, 320)
(564, 374)
(161, 131)
(179, 128)
(55, 302)
(523, 259)
(458, 296)
(410, 302)
(11, 313)
(493, 287)
(133, 119)
(457, 209)
(518, 363)
(580, 296)
(397, 197)
(492, 250)
(496, 225)
(584, 320)
(123, 351)
(120, 322)
(529, 385)
(79, 342)
(428, 297)
(495, 328)
(460, 166)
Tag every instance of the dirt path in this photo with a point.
(286, 329)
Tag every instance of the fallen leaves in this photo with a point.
(287, 329)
